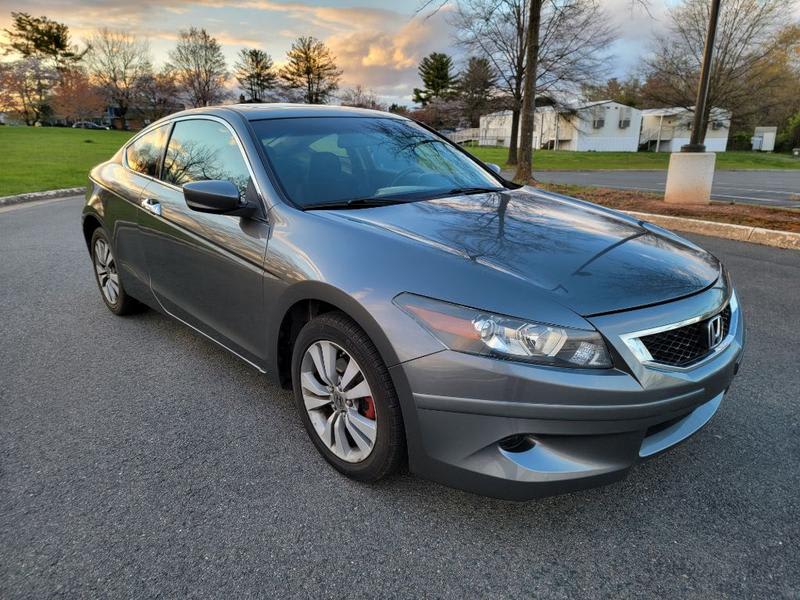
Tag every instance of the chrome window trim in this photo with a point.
(638, 349)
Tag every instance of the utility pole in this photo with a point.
(691, 171)
(699, 127)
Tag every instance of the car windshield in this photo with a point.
(335, 160)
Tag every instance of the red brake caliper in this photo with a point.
(368, 408)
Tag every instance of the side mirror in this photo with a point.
(216, 197)
(494, 168)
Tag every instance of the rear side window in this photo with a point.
(144, 154)
(203, 149)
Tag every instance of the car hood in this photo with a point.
(591, 259)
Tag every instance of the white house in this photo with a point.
(667, 129)
(601, 126)
(494, 129)
(764, 139)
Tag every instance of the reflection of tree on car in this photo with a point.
(325, 161)
(198, 161)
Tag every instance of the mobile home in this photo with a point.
(667, 129)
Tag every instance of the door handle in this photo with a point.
(152, 205)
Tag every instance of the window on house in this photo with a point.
(598, 117)
(625, 117)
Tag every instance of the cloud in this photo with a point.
(327, 18)
(376, 46)
(385, 59)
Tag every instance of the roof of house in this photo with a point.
(672, 111)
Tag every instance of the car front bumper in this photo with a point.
(583, 427)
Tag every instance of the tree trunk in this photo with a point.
(523, 174)
(512, 148)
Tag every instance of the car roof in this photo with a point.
(256, 112)
(277, 110)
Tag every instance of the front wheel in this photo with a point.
(346, 398)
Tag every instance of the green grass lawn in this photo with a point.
(34, 159)
(549, 160)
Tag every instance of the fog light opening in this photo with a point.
(520, 442)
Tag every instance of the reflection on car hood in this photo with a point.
(592, 260)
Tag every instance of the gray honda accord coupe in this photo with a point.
(424, 310)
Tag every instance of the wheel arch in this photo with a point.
(90, 223)
(303, 302)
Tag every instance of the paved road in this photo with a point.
(771, 188)
(138, 459)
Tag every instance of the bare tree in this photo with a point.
(361, 97)
(574, 38)
(627, 91)
(743, 71)
(25, 87)
(75, 98)
(117, 62)
(495, 30)
(159, 95)
(199, 67)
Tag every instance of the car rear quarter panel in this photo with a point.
(112, 198)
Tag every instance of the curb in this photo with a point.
(34, 196)
(741, 233)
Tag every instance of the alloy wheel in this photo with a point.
(106, 268)
(338, 401)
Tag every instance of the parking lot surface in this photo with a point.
(768, 188)
(138, 459)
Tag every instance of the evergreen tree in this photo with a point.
(475, 88)
(436, 72)
(44, 53)
(311, 69)
(255, 73)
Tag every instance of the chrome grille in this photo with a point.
(684, 345)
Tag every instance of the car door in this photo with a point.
(125, 184)
(206, 269)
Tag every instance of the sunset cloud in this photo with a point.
(375, 45)
(385, 59)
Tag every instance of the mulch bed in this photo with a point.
(781, 219)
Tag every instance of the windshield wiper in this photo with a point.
(355, 203)
(473, 190)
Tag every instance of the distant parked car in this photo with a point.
(88, 125)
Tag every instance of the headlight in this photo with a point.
(479, 332)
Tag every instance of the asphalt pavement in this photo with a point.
(138, 459)
(769, 188)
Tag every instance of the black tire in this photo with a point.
(389, 450)
(124, 304)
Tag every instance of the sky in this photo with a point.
(377, 43)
